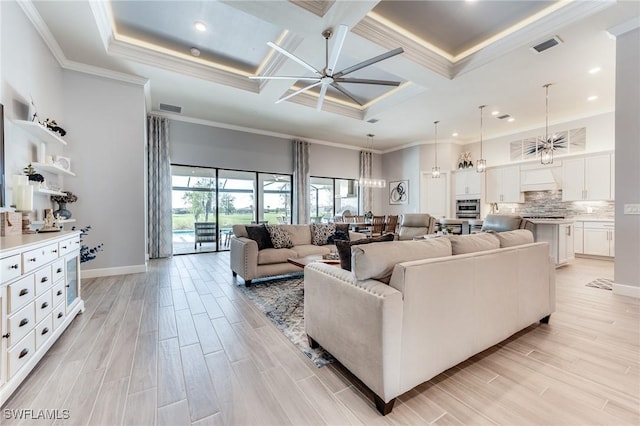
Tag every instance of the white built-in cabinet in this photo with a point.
(468, 184)
(560, 237)
(599, 238)
(503, 185)
(578, 237)
(587, 178)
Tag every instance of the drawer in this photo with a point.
(43, 280)
(69, 245)
(58, 315)
(34, 259)
(43, 306)
(10, 268)
(20, 323)
(58, 292)
(21, 353)
(600, 225)
(44, 330)
(57, 270)
(20, 293)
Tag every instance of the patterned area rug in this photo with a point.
(602, 283)
(282, 301)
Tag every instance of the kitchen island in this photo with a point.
(559, 234)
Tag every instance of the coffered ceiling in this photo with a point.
(457, 55)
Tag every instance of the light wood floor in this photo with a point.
(180, 345)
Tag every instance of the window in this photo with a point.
(330, 196)
(275, 193)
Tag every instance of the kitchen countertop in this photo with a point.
(551, 221)
(593, 219)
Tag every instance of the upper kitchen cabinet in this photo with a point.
(587, 178)
(468, 184)
(503, 185)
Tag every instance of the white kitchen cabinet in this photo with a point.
(468, 184)
(566, 245)
(503, 185)
(578, 238)
(560, 236)
(587, 178)
(599, 238)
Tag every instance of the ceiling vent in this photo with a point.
(547, 44)
(170, 108)
(502, 117)
(373, 120)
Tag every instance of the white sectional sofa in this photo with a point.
(412, 309)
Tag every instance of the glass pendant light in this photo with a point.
(546, 154)
(481, 164)
(435, 170)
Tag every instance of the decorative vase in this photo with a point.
(62, 211)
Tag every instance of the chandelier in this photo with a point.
(367, 181)
(546, 153)
(481, 164)
(435, 170)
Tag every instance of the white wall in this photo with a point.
(106, 137)
(627, 241)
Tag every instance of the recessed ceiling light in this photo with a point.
(511, 120)
(454, 134)
(495, 112)
(195, 51)
(200, 26)
(592, 98)
(594, 70)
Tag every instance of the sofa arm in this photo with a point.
(358, 322)
(243, 258)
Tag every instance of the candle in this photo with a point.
(17, 182)
(26, 198)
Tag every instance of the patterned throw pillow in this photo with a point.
(322, 232)
(280, 237)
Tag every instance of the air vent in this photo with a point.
(502, 117)
(547, 44)
(373, 120)
(170, 108)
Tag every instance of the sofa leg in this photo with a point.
(545, 320)
(247, 283)
(234, 273)
(384, 407)
(312, 343)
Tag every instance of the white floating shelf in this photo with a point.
(39, 131)
(50, 167)
(41, 222)
(46, 191)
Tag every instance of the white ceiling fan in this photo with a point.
(327, 76)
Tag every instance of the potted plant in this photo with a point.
(62, 201)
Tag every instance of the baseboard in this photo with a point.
(107, 272)
(626, 290)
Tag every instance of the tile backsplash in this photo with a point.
(549, 203)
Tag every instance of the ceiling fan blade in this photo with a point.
(323, 92)
(297, 92)
(293, 57)
(368, 62)
(275, 77)
(346, 93)
(367, 81)
(337, 48)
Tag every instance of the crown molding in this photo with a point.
(104, 21)
(624, 27)
(41, 27)
(310, 100)
(317, 7)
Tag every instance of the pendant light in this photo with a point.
(546, 154)
(481, 164)
(369, 182)
(435, 170)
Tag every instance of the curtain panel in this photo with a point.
(301, 182)
(159, 237)
(366, 200)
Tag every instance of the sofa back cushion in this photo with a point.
(344, 248)
(376, 261)
(300, 234)
(461, 244)
(240, 231)
(501, 222)
(517, 237)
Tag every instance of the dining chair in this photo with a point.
(391, 224)
(377, 225)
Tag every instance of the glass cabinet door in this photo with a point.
(72, 279)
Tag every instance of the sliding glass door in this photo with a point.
(330, 196)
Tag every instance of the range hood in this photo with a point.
(536, 177)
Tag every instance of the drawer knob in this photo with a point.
(45, 331)
(14, 266)
(60, 314)
(54, 251)
(59, 271)
(59, 293)
(23, 322)
(23, 292)
(64, 247)
(44, 279)
(23, 353)
(44, 305)
(6, 336)
(33, 259)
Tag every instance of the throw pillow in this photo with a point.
(280, 237)
(322, 232)
(260, 234)
(338, 236)
(344, 248)
(344, 227)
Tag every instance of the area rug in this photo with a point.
(282, 301)
(602, 283)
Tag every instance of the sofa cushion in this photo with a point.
(280, 237)
(501, 222)
(516, 237)
(310, 249)
(376, 261)
(408, 232)
(272, 255)
(344, 248)
(300, 234)
(461, 244)
(260, 234)
(321, 232)
(240, 231)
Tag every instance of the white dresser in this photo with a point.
(39, 297)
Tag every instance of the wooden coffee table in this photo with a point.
(304, 261)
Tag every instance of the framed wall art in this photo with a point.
(399, 192)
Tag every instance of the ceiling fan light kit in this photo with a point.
(327, 77)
